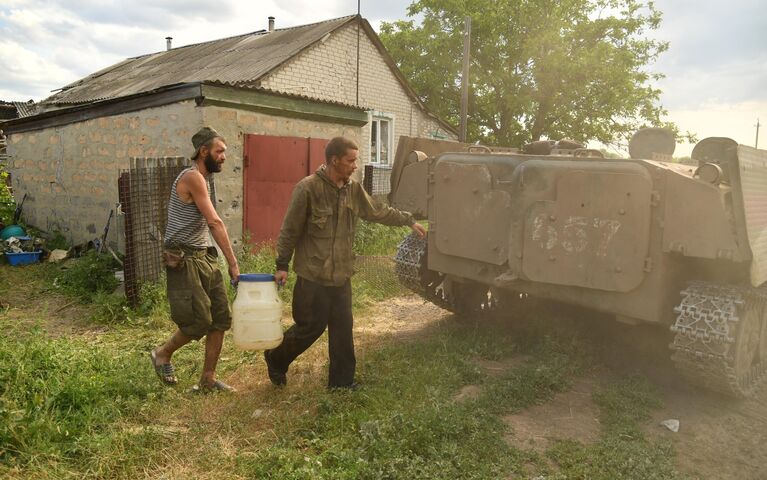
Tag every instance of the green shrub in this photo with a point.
(153, 309)
(258, 258)
(153, 298)
(57, 240)
(109, 308)
(376, 239)
(89, 275)
(261, 259)
(7, 203)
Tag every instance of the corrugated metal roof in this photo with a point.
(25, 109)
(240, 60)
(10, 110)
(7, 111)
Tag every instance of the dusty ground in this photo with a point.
(719, 438)
(569, 415)
(29, 304)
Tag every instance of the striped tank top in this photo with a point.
(186, 225)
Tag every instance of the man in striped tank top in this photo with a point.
(196, 288)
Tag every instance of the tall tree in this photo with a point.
(539, 68)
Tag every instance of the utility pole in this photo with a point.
(465, 79)
(756, 144)
(359, 20)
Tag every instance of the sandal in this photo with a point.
(218, 386)
(165, 371)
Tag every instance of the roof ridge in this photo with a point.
(345, 17)
(256, 32)
(197, 44)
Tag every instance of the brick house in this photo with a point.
(277, 95)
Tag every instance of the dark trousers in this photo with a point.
(315, 307)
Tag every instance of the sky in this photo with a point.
(716, 66)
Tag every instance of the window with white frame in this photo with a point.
(381, 138)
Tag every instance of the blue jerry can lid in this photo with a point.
(256, 277)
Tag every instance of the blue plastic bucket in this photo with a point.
(23, 258)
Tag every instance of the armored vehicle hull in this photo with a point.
(680, 246)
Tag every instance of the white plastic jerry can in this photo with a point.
(256, 313)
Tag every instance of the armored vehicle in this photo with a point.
(647, 240)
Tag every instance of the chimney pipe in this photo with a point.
(271, 24)
(168, 41)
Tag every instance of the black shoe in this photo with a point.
(352, 387)
(276, 377)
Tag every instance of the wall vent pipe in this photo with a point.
(271, 24)
(168, 43)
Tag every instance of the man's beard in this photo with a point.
(211, 165)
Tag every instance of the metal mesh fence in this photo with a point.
(375, 275)
(3, 151)
(143, 191)
(376, 179)
(4, 158)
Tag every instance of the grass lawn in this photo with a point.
(78, 398)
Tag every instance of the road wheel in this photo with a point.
(748, 340)
(470, 298)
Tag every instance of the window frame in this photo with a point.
(376, 117)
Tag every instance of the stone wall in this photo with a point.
(328, 71)
(70, 172)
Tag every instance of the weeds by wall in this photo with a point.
(88, 276)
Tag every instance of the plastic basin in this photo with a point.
(23, 258)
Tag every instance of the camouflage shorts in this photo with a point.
(197, 294)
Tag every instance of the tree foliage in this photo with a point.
(7, 203)
(551, 69)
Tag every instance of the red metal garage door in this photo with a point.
(272, 166)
